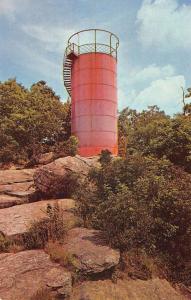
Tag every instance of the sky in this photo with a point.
(154, 56)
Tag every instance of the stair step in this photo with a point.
(67, 74)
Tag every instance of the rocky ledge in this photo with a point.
(23, 274)
(15, 221)
(52, 179)
(92, 255)
(153, 289)
(16, 187)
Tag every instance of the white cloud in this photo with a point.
(166, 93)
(151, 72)
(152, 85)
(9, 8)
(52, 38)
(164, 24)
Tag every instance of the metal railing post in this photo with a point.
(110, 44)
(108, 48)
(95, 40)
(78, 44)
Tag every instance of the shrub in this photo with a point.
(105, 157)
(52, 227)
(141, 202)
(5, 243)
(137, 264)
(9, 245)
(43, 294)
(66, 148)
(59, 255)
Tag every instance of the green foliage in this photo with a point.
(105, 157)
(153, 133)
(187, 106)
(141, 202)
(66, 148)
(43, 294)
(72, 145)
(188, 109)
(58, 254)
(137, 264)
(31, 120)
(5, 243)
(126, 121)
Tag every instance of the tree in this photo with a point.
(151, 132)
(31, 120)
(126, 122)
(186, 107)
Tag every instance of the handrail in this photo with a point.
(88, 44)
(93, 47)
(94, 29)
(72, 48)
(112, 44)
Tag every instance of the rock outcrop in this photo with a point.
(8, 201)
(13, 176)
(16, 187)
(155, 289)
(24, 273)
(90, 251)
(14, 221)
(52, 179)
(46, 158)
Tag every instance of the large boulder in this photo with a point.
(154, 289)
(53, 179)
(23, 274)
(15, 221)
(90, 252)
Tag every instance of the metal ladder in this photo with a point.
(67, 74)
(69, 57)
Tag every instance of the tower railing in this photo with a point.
(89, 48)
(95, 42)
(88, 41)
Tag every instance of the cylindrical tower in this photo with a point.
(90, 77)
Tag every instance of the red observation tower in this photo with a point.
(90, 77)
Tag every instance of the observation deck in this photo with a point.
(87, 41)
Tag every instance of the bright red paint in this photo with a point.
(94, 103)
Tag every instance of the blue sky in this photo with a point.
(154, 54)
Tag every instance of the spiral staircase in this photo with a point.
(69, 57)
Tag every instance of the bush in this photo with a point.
(5, 243)
(59, 255)
(137, 264)
(141, 202)
(43, 294)
(51, 227)
(66, 148)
